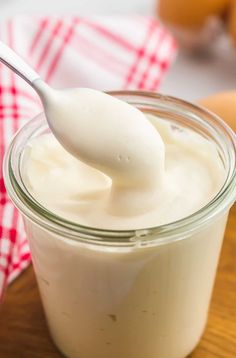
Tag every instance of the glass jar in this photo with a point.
(136, 293)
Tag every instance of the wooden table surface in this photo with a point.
(23, 330)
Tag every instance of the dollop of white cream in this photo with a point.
(159, 183)
(114, 137)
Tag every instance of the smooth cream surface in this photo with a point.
(183, 174)
(113, 137)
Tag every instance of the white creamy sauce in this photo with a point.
(125, 170)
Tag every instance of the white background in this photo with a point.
(190, 77)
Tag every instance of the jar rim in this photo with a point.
(173, 231)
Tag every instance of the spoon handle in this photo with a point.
(17, 64)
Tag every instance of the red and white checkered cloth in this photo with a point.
(100, 52)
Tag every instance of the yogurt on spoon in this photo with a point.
(131, 179)
(112, 136)
(105, 133)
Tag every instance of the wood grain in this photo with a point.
(24, 334)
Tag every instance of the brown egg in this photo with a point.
(224, 105)
(232, 21)
(190, 13)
